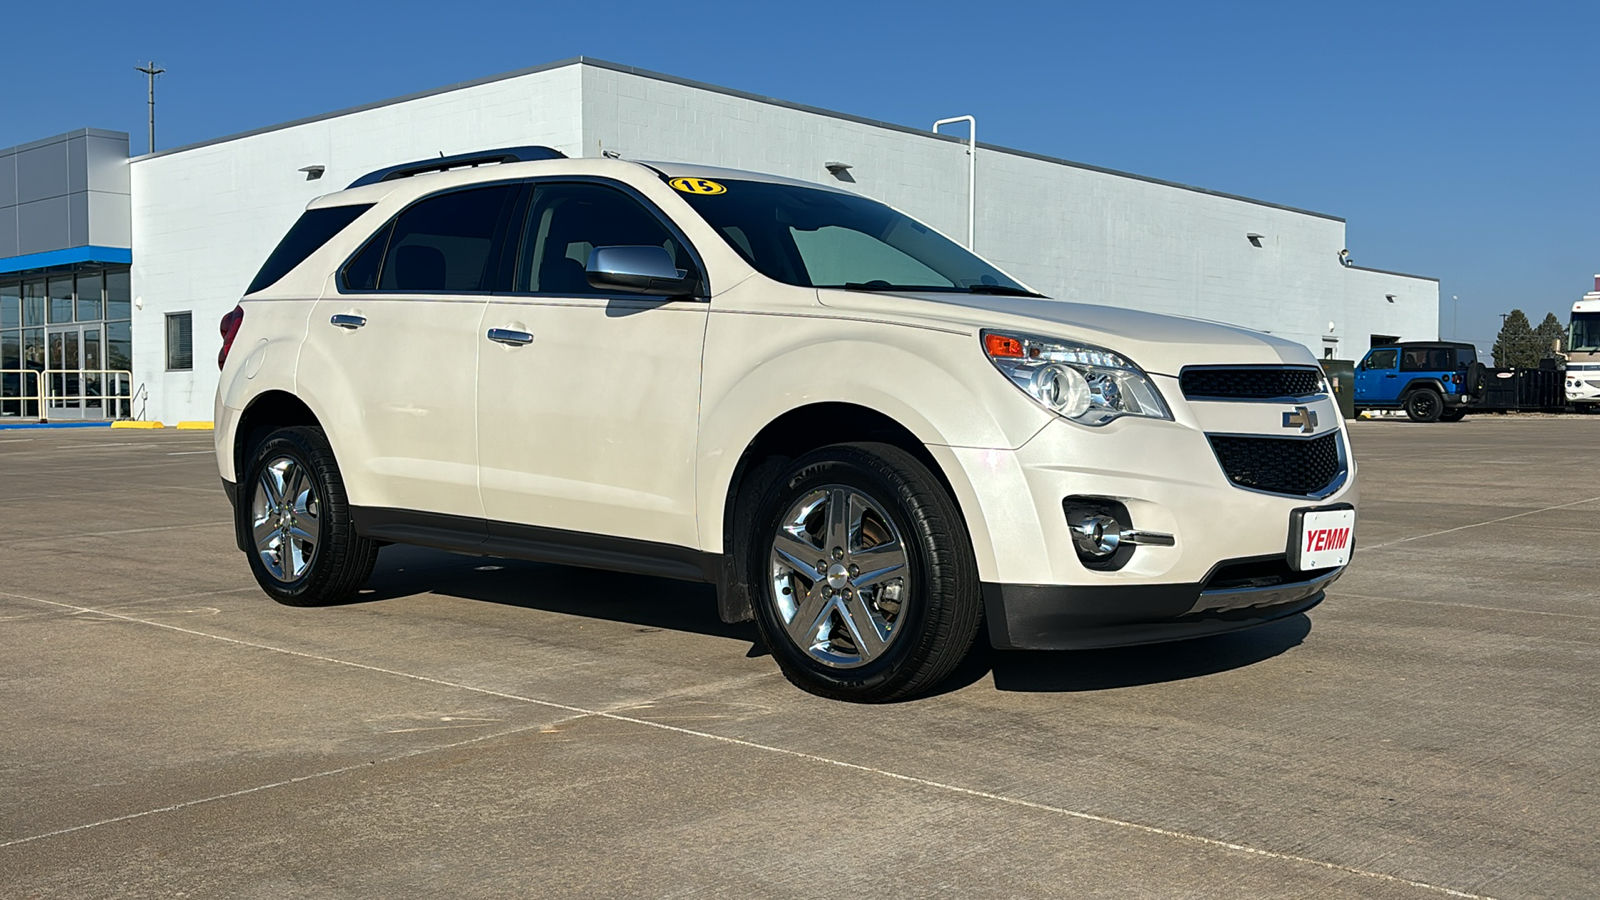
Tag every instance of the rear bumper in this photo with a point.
(1069, 617)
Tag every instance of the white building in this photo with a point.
(205, 216)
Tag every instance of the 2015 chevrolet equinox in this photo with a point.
(868, 438)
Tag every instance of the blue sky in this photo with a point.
(1460, 140)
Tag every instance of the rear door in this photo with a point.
(588, 399)
(1378, 378)
(391, 359)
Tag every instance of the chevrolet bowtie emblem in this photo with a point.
(1302, 418)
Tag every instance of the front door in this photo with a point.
(1378, 377)
(589, 400)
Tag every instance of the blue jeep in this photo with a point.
(1433, 381)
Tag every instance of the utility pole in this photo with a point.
(151, 71)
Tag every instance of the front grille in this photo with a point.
(1250, 383)
(1280, 465)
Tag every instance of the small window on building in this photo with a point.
(180, 342)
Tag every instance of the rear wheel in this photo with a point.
(1424, 405)
(1452, 415)
(863, 578)
(304, 550)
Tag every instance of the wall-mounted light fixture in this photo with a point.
(835, 168)
(1389, 297)
(1254, 239)
(314, 172)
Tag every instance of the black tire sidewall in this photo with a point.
(309, 449)
(905, 501)
(1425, 395)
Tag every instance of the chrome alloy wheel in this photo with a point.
(285, 519)
(840, 577)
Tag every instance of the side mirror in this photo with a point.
(638, 270)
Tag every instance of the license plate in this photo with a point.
(1322, 538)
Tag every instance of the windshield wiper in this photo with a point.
(886, 286)
(1003, 290)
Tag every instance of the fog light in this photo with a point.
(1097, 536)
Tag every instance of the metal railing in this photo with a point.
(66, 394)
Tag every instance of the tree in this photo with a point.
(1516, 347)
(1551, 336)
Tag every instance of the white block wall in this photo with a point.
(205, 218)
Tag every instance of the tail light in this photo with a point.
(1456, 378)
(230, 328)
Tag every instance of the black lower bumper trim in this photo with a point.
(1067, 617)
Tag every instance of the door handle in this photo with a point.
(510, 336)
(347, 320)
(1391, 376)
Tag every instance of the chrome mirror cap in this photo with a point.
(639, 270)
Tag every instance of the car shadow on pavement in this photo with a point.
(1067, 671)
(662, 603)
(641, 600)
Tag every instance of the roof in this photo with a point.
(700, 85)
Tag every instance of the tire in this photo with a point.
(304, 549)
(1477, 379)
(1424, 405)
(1452, 415)
(896, 606)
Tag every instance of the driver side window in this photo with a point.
(1382, 359)
(566, 222)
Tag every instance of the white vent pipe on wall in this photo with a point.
(972, 167)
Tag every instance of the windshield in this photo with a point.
(820, 238)
(1585, 332)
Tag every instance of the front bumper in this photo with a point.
(1039, 595)
(1064, 617)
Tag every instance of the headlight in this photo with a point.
(1089, 385)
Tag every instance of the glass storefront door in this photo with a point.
(74, 394)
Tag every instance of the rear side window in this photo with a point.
(1427, 359)
(315, 228)
(449, 242)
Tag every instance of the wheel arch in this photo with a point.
(792, 434)
(1422, 384)
(266, 411)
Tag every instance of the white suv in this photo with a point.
(869, 439)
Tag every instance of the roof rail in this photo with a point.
(459, 161)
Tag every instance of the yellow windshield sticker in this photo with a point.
(697, 186)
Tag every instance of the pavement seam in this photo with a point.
(1531, 512)
(289, 781)
(580, 712)
(1504, 609)
(75, 535)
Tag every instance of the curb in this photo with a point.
(128, 424)
(194, 426)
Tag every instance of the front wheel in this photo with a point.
(1424, 405)
(863, 577)
(304, 550)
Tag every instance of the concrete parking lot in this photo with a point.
(490, 728)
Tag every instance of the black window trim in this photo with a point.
(518, 214)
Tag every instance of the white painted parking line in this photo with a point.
(580, 712)
(1531, 512)
(87, 534)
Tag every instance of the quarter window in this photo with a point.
(446, 243)
(568, 221)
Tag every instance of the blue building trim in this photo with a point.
(67, 257)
